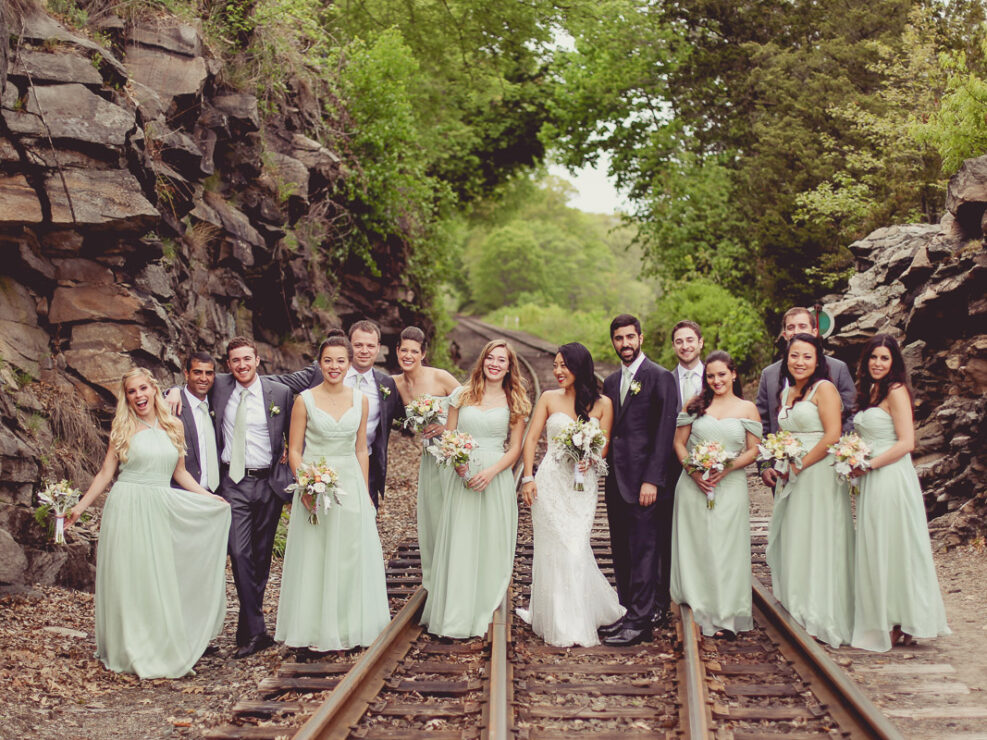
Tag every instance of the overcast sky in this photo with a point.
(596, 193)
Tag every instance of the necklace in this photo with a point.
(149, 426)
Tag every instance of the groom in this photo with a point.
(638, 497)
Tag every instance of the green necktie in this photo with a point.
(238, 453)
(625, 382)
(692, 385)
(212, 461)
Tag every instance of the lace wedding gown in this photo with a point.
(570, 597)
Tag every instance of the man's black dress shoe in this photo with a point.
(256, 644)
(629, 636)
(611, 629)
(662, 619)
(211, 650)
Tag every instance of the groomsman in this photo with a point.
(687, 340)
(638, 492)
(798, 320)
(251, 425)
(202, 456)
(377, 386)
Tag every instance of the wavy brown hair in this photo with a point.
(125, 420)
(897, 375)
(516, 389)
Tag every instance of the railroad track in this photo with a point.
(410, 685)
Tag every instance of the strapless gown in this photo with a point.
(473, 553)
(711, 548)
(810, 542)
(896, 581)
(160, 566)
(570, 597)
(333, 589)
(429, 511)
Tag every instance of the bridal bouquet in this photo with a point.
(422, 412)
(321, 482)
(708, 458)
(59, 498)
(581, 440)
(781, 449)
(851, 454)
(453, 449)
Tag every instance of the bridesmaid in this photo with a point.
(896, 592)
(333, 589)
(420, 380)
(711, 567)
(810, 543)
(161, 555)
(477, 529)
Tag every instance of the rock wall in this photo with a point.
(148, 209)
(925, 286)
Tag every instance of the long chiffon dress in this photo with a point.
(160, 566)
(570, 597)
(810, 542)
(333, 589)
(473, 552)
(711, 548)
(430, 492)
(895, 580)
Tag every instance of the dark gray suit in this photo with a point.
(768, 399)
(192, 462)
(255, 504)
(641, 452)
(311, 376)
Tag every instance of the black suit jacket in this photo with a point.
(390, 401)
(275, 394)
(643, 429)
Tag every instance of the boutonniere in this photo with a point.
(635, 387)
(384, 390)
(212, 413)
(274, 410)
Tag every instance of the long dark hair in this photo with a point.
(897, 375)
(697, 406)
(580, 363)
(820, 373)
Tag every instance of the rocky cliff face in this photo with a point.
(925, 286)
(148, 209)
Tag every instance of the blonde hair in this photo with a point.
(125, 420)
(515, 387)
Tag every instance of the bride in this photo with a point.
(570, 597)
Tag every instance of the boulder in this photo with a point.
(110, 199)
(241, 108)
(22, 342)
(42, 67)
(169, 75)
(93, 303)
(78, 270)
(19, 202)
(72, 112)
(36, 25)
(13, 562)
(99, 367)
(180, 38)
(966, 195)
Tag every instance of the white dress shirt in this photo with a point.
(258, 454)
(370, 390)
(638, 361)
(682, 376)
(193, 404)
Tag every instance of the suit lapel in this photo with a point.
(191, 441)
(221, 392)
(621, 407)
(272, 432)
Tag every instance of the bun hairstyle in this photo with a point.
(336, 338)
(579, 361)
(414, 334)
(697, 405)
(821, 372)
(897, 375)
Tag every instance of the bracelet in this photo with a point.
(528, 479)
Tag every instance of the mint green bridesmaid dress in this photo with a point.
(895, 581)
(473, 554)
(711, 548)
(160, 566)
(333, 588)
(430, 493)
(810, 541)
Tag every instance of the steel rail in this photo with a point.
(692, 688)
(843, 697)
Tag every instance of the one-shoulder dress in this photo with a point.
(570, 597)
(896, 581)
(430, 493)
(333, 589)
(810, 542)
(473, 554)
(160, 566)
(711, 547)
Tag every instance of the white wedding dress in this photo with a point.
(570, 597)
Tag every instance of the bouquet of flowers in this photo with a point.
(781, 449)
(453, 449)
(708, 458)
(321, 482)
(581, 440)
(851, 453)
(60, 498)
(422, 412)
